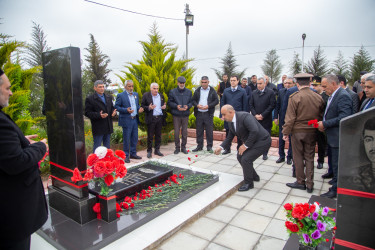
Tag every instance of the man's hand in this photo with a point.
(103, 115)
(321, 126)
(29, 137)
(179, 108)
(199, 106)
(217, 151)
(241, 149)
(45, 143)
(151, 107)
(164, 106)
(140, 110)
(285, 137)
(114, 112)
(276, 121)
(185, 107)
(258, 117)
(130, 110)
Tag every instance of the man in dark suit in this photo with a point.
(370, 93)
(237, 98)
(338, 107)
(261, 106)
(97, 108)
(353, 95)
(247, 89)
(223, 85)
(204, 101)
(23, 207)
(256, 140)
(253, 83)
(279, 118)
(154, 107)
(281, 85)
(127, 103)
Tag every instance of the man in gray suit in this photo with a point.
(256, 140)
(370, 93)
(353, 95)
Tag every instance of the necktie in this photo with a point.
(369, 103)
(233, 90)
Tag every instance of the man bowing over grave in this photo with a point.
(23, 204)
(127, 103)
(255, 141)
(99, 108)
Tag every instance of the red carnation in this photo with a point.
(96, 209)
(120, 154)
(300, 211)
(327, 240)
(91, 159)
(188, 150)
(118, 215)
(126, 206)
(109, 153)
(189, 158)
(118, 207)
(312, 209)
(76, 175)
(108, 179)
(89, 175)
(132, 205)
(291, 226)
(196, 155)
(288, 206)
(109, 167)
(121, 171)
(100, 168)
(127, 199)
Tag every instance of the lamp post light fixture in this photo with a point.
(189, 20)
(303, 50)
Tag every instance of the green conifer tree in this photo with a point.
(229, 65)
(318, 65)
(361, 61)
(272, 66)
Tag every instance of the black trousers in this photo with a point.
(322, 144)
(239, 142)
(205, 121)
(16, 245)
(248, 157)
(154, 129)
(180, 123)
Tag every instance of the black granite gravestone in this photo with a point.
(65, 129)
(356, 183)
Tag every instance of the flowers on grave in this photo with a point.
(313, 123)
(309, 221)
(104, 166)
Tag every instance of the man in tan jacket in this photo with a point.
(304, 105)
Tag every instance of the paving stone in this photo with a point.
(221, 167)
(182, 239)
(212, 158)
(202, 164)
(277, 187)
(282, 178)
(262, 207)
(269, 243)
(205, 228)
(266, 168)
(281, 214)
(295, 199)
(237, 238)
(228, 162)
(236, 171)
(276, 228)
(249, 194)
(214, 246)
(251, 221)
(271, 162)
(271, 196)
(222, 213)
(265, 175)
(285, 171)
(304, 193)
(259, 184)
(236, 201)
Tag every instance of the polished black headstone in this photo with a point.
(356, 182)
(64, 115)
(63, 233)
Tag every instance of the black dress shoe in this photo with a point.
(127, 160)
(327, 176)
(149, 154)
(256, 178)
(289, 161)
(176, 151)
(330, 194)
(320, 165)
(157, 152)
(184, 151)
(296, 185)
(280, 160)
(330, 182)
(310, 190)
(265, 157)
(197, 149)
(209, 149)
(226, 152)
(246, 187)
(135, 157)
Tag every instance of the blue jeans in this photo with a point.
(98, 139)
(130, 135)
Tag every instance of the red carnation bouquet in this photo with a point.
(104, 166)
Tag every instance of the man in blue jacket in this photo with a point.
(127, 104)
(180, 102)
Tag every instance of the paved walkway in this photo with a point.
(246, 220)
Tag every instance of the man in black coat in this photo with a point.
(353, 95)
(99, 109)
(204, 101)
(256, 140)
(223, 85)
(261, 106)
(154, 106)
(237, 98)
(23, 207)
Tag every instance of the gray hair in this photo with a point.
(98, 82)
(365, 76)
(332, 78)
(261, 78)
(371, 78)
(291, 77)
(153, 84)
(128, 81)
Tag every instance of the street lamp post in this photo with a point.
(303, 50)
(189, 20)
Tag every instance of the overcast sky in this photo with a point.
(252, 27)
